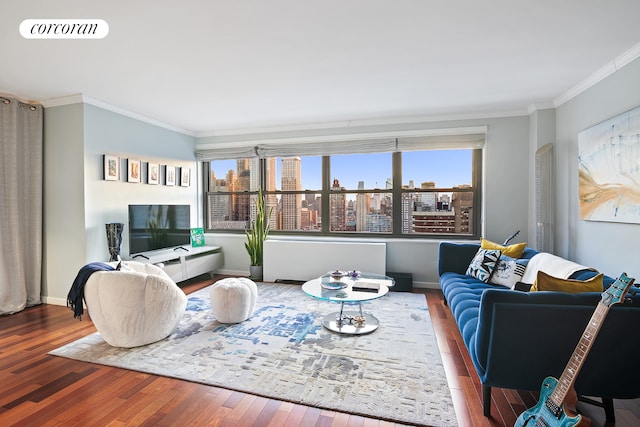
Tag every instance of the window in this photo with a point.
(438, 192)
(405, 191)
(231, 184)
(361, 197)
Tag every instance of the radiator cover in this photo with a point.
(306, 260)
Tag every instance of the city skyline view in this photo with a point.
(446, 168)
(441, 210)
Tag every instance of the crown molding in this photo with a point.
(540, 106)
(602, 73)
(83, 99)
(363, 123)
(63, 100)
(350, 137)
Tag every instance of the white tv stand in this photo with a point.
(183, 262)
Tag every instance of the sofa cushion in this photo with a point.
(514, 251)
(552, 264)
(546, 282)
(508, 271)
(483, 264)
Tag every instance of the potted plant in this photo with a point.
(256, 236)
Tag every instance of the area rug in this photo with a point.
(284, 352)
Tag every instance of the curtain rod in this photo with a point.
(6, 98)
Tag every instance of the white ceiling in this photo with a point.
(212, 66)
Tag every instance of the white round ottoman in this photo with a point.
(233, 299)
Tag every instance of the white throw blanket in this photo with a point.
(552, 265)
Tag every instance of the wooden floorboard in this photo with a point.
(37, 389)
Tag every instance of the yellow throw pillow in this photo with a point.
(514, 251)
(544, 282)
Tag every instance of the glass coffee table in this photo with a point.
(351, 288)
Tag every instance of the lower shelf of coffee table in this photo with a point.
(348, 325)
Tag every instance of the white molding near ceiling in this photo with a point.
(341, 137)
(540, 106)
(389, 121)
(63, 100)
(604, 72)
(79, 99)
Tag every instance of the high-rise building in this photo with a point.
(337, 206)
(242, 203)
(434, 222)
(427, 202)
(377, 223)
(271, 200)
(408, 206)
(291, 203)
(362, 208)
(462, 206)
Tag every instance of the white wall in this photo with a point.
(542, 131)
(64, 236)
(609, 247)
(78, 202)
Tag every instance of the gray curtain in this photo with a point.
(21, 167)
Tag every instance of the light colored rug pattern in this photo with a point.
(283, 352)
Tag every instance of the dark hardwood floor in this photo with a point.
(41, 390)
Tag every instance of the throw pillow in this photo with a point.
(545, 282)
(508, 271)
(514, 251)
(483, 264)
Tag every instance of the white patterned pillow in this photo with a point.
(483, 264)
(508, 271)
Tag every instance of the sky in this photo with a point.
(447, 168)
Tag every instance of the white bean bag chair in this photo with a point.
(233, 300)
(134, 306)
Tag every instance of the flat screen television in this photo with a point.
(153, 227)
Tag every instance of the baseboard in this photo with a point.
(54, 301)
(225, 272)
(426, 285)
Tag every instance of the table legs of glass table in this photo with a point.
(351, 322)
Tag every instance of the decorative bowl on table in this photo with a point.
(337, 274)
(334, 280)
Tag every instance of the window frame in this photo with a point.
(396, 193)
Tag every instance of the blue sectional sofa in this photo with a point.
(516, 339)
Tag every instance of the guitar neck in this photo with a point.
(568, 377)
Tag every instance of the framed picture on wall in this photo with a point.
(185, 177)
(133, 170)
(111, 168)
(609, 176)
(153, 173)
(170, 175)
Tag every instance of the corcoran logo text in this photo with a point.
(64, 29)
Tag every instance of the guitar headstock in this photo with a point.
(617, 291)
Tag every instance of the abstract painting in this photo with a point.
(609, 169)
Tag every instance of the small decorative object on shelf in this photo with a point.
(197, 237)
(354, 274)
(337, 274)
(334, 280)
(114, 239)
(333, 285)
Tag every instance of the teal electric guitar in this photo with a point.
(556, 406)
